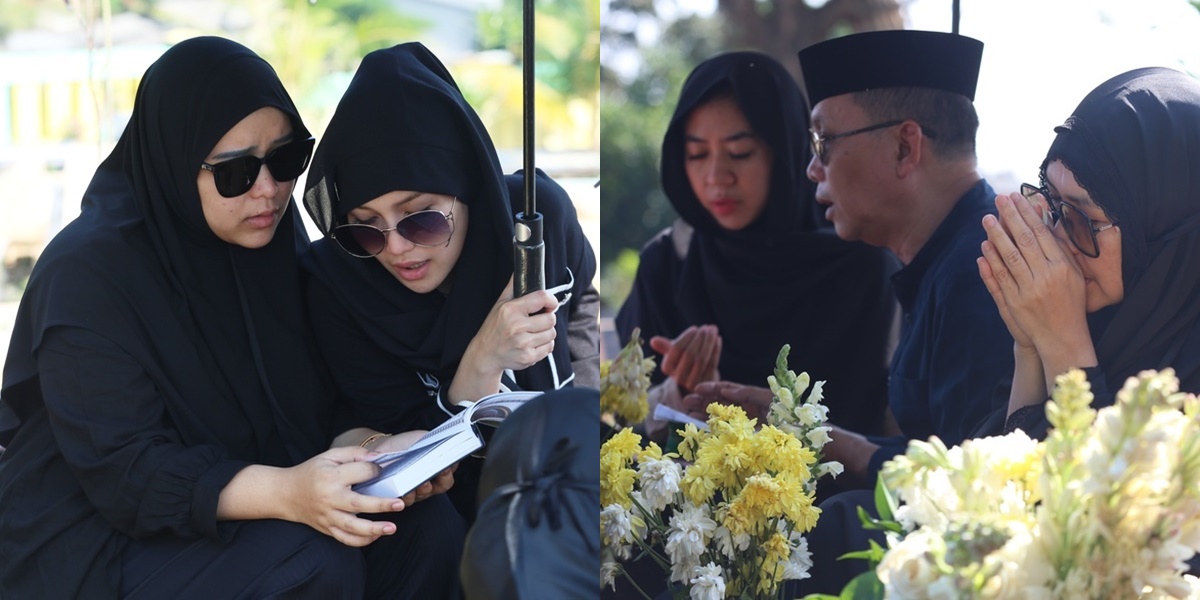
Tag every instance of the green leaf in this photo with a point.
(872, 524)
(873, 554)
(819, 597)
(864, 587)
(885, 502)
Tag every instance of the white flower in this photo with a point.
(616, 528)
(608, 574)
(708, 584)
(659, 482)
(810, 414)
(832, 467)
(724, 542)
(818, 436)
(688, 534)
(800, 560)
(905, 570)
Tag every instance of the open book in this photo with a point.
(403, 471)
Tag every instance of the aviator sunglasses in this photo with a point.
(236, 176)
(423, 228)
(1081, 230)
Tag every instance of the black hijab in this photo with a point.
(403, 124)
(219, 328)
(1134, 144)
(782, 279)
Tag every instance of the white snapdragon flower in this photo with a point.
(708, 584)
(818, 437)
(832, 467)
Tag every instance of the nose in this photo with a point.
(264, 184)
(717, 172)
(815, 170)
(396, 243)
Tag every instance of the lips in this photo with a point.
(723, 207)
(263, 220)
(411, 270)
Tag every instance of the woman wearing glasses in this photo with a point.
(1109, 282)
(410, 294)
(162, 400)
(748, 266)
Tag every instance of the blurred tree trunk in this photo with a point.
(781, 28)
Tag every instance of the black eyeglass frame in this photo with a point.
(1057, 215)
(252, 173)
(819, 148)
(348, 228)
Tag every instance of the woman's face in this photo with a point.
(421, 269)
(248, 220)
(1102, 275)
(728, 166)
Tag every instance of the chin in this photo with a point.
(254, 241)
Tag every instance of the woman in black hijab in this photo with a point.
(161, 396)
(1116, 288)
(410, 293)
(748, 267)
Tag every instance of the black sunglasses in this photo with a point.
(236, 176)
(1073, 220)
(423, 228)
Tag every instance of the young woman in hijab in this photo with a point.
(1113, 285)
(410, 292)
(161, 395)
(748, 266)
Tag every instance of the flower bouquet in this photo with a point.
(625, 384)
(1108, 506)
(726, 521)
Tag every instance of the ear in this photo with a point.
(910, 147)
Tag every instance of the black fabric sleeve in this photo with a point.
(370, 392)
(583, 334)
(111, 426)
(1032, 419)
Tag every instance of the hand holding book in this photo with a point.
(437, 451)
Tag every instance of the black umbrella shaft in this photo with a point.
(529, 251)
(528, 82)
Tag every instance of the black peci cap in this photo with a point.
(897, 58)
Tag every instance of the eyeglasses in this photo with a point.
(236, 176)
(820, 144)
(1073, 220)
(423, 228)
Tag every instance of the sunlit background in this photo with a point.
(69, 71)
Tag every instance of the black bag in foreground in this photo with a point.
(537, 534)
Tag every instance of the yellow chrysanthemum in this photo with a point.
(777, 550)
(616, 478)
(778, 451)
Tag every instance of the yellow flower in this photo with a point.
(766, 497)
(777, 550)
(625, 382)
(616, 478)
